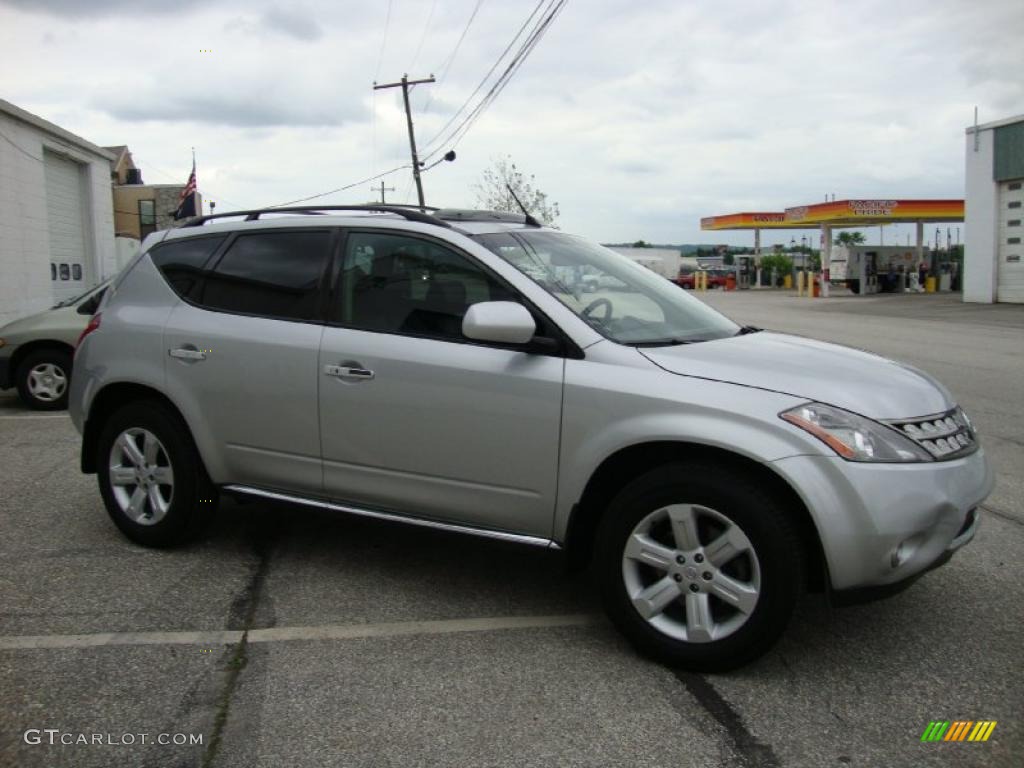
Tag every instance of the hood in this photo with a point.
(827, 373)
(58, 323)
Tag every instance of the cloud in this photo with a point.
(93, 8)
(681, 109)
(255, 110)
(292, 22)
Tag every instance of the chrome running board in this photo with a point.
(516, 538)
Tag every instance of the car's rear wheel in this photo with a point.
(151, 478)
(698, 567)
(43, 379)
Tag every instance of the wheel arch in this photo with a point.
(38, 345)
(109, 399)
(624, 465)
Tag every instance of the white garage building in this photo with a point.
(56, 213)
(994, 217)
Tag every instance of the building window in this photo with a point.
(1014, 204)
(53, 271)
(76, 271)
(1013, 223)
(1015, 186)
(1013, 241)
(147, 217)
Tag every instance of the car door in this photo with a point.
(416, 418)
(242, 353)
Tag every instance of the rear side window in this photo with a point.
(181, 262)
(272, 274)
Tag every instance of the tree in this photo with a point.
(641, 244)
(492, 192)
(850, 238)
(779, 263)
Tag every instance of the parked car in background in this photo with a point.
(446, 370)
(36, 351)
(688, 278)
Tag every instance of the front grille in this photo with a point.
(945, 436)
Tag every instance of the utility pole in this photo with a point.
(405, 82)
(383, 189)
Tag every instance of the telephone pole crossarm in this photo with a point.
(404, 84)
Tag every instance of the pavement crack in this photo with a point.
(1011, 518)
(749, 752)
(242, 616)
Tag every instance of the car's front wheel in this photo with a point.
(151, 478)
(43, 379)
(699, 568)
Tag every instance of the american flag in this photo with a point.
(187, 199)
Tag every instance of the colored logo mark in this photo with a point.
(958, 730)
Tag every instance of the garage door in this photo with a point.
(65, 212)
(1011, 248)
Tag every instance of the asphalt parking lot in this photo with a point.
(290, 637)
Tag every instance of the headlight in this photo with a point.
(854, 437)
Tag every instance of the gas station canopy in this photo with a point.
(836, 214)
(843, 213)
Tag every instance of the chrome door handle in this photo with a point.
(347, 372)
(183, 353)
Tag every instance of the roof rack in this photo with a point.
(465, 214)
(407, 212)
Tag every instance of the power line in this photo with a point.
(446, 65)
(485, 77)
(500, 86)
(17, 147)
(383, 42)
(455, 51)
(340, 189)
(426, 29)
(453, 137)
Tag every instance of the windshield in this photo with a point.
(619, 298)
(79, 297)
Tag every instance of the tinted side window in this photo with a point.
(274, 274)
(399, 284)
(181, 262)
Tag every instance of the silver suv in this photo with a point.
(464, 370)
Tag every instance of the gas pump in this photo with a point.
(744, 271)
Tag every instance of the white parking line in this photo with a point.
(35, 416)
(282, 634)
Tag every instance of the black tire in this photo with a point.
(193, 499)
(61, 361)
(759, 516)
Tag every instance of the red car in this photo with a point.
(716, 278)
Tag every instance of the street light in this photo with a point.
(449, 156)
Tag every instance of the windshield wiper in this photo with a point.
(745, 329)
(662, 342)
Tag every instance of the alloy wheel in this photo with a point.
(141, 476)
(691, 573)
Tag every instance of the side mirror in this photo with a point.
(503, 322)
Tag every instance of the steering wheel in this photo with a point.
(592, 306)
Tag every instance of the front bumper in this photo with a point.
(883, 525)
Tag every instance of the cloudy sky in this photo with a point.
(637, 117)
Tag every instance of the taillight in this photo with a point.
(94, 324)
